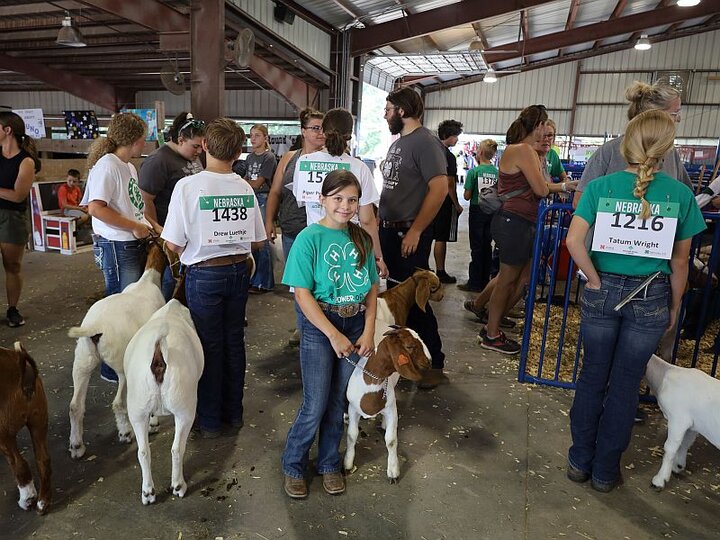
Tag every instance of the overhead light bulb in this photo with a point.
(688, 3)
(475, 45)
(69, 35)
(643, 44)
(490, 76)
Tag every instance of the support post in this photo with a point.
(207, 39)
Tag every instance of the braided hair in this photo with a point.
(648, 138)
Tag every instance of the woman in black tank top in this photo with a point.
(18, 165)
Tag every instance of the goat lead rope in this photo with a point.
(371, 375)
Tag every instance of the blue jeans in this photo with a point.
(325, 378)
(287, 242)
(480, 247)
(263, 278)
(216, 297)
(617, 347)
(167, 286)
(122, 263)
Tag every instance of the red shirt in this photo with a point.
(68, 196)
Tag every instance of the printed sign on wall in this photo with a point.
(34, 122)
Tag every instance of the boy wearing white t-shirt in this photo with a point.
(213, 222)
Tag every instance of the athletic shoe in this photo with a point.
(108, 374)
(14, 319)
(606, 487)
(640, 416)
(577, 475)
(468, 287)
(500, 344)
(444, 277)
(481, 314)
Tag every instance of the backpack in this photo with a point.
(490, 202)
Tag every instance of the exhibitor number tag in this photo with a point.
(619, 228)
(311, 177)
(227, 219)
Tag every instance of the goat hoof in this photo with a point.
(77, 451)
(656, 488)
(394, 480)
(153, 429)
(180, 490)
(42, 507)
(148, 497)
(27, 504)
(678, 469)
(349, 471)
(125, 437)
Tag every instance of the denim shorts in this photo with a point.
(514, 237)
(13, 227)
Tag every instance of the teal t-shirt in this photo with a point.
(482, 175)
(555, 167)
(662, 188)
(325, 261)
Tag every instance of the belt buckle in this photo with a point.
(348, 310)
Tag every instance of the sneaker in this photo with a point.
(258, 290)
(108, 374)
(482, 334)
(481, 314)
(296, 488)
(640, 416)
(500, 344)
(14, 319)
(334, 483)
(444, 277)
(468, 287)
(577, 475)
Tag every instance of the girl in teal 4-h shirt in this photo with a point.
(637, 271)
(332, 267)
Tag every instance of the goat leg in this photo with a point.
(38, 427)
(676, 434)
(140, 422)
(391, 442)
(120, 410)
(183, 423)
(352, 435)
(681, 457)
(86, 360)
(23, 477)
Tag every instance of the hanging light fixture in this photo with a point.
(490, 76)
(643, 43)
(688, 3)
(475, 45)
(69, 35)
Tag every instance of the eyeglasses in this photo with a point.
(316, 129)
(388, 109)
(195, 124)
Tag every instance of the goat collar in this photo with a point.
(381, 380)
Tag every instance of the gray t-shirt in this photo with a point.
(160, 172)
(412, 161)
(608, 159)
(261, 165)
(292, 218)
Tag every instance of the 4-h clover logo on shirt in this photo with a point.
(343, 271)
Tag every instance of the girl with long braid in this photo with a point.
(637, 271)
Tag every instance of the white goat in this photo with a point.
(107, 328)
(163, 364)
(371, 389)
(690, 401)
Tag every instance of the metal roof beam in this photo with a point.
(309, 16)
(296, 91)
(148, 13)
(619, 8)
(419, 24)
(92, 90)
(572, 15)
(602, 30)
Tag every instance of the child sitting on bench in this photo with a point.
(69, 196)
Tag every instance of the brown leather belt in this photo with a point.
(344, 310)
(395, 224)
(223, 261)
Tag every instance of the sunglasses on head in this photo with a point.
(195, 124)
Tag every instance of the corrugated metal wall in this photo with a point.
(238, 103)
(305, 36)
(601, 106)
(52, 103)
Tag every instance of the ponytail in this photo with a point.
(337, 127)
(362, 242)
(28, 144)
(336, 143)
(24, 142)
(530, 118)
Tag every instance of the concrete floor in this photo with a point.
(481, 457)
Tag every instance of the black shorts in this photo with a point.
(445, 224)
(514, 238)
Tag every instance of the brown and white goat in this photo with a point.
(104, 334)
(163, 364)
(23, 403)
(394, 304)
(371, 389)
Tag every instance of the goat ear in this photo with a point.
(422, 294)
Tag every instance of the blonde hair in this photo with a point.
(648, 97)
(262, 128)
(648, 137)
(486, 150)
(550, 123)
(124, 129)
